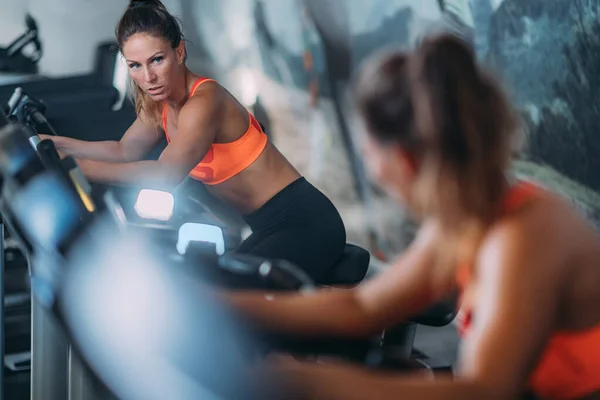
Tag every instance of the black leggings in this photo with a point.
(300, 225)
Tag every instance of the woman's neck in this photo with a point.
(178, 98)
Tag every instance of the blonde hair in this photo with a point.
(146, 108)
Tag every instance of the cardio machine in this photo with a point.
(12, 58)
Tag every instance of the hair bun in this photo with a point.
(157, 4)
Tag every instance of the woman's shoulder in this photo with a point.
(535, 219)
(529, 199)
(198, 84)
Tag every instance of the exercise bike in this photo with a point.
(75, 228)
(12, 58)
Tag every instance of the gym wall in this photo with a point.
(12, 19)
(70, 30)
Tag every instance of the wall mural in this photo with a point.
(298, 56)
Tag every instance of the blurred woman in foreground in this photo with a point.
(440, 140)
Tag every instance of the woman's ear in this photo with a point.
(181, 53)
(407, 159)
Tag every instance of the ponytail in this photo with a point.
(468, 127)
(440, 105)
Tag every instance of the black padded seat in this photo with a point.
(441, 314)
(351, 268)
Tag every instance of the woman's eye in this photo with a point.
(134, 66)
(157, 60)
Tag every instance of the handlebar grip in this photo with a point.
(48, 154)
(41, 122)
(14, 100)
(281, 274)
(274, 274)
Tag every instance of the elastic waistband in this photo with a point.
(292, 199)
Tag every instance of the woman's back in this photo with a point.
(569, 365)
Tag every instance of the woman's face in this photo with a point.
(153, 64)
(391, 167)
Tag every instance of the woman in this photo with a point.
(213, 139)
(440, 137)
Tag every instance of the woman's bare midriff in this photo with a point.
(253, 187)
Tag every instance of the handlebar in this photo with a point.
(29, 111)
(14, 100)
(271, 274)
(41, 123)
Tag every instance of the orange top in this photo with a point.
(570, 364)
(225, 160)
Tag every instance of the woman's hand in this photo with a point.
(44, 137)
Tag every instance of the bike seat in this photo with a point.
(440, 314)
(350, 269)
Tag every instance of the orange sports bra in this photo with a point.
(225, 160)
(570, 364)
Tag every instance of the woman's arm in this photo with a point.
(350, 382)
(199, 121)
(519, 278)
(385, 300)
(135, 144)
(521, 269)
(108, 151)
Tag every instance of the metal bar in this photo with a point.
(2, 336)
(49, 355)
(83, 383)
